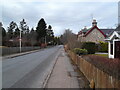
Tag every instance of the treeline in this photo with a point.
(29, 37)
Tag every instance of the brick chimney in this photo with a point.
(94, 23)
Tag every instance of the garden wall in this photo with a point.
(92, 73)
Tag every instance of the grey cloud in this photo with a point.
(60, 15)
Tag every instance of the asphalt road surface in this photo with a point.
(29, 71)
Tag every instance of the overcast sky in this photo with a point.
(61, 15)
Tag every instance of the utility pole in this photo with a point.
(20, 40)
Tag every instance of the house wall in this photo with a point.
(109, 50)
(95, 36)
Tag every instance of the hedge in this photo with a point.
(80, 51)
(90, 47)
(110, 66)
(102, 47)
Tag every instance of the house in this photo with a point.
(93, 34)
(114, 43)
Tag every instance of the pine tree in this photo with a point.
(2, 34)
(41, 29)
(2, 30)
(11, 28)
(17, 32)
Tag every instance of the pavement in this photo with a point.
(63, 75)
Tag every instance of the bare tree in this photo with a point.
(70, 39)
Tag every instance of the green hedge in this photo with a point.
(80, 51)
(103, 47)
(90, 47)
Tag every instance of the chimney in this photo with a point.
(94, 23)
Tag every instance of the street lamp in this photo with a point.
(20, 41)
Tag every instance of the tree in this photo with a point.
(11, 29)
(50, 31)
(70, 39)
(50, 27)
(66, 36)
(57, 41)
(33, 36)
(17, 32)
(3, 32)
(41, 30)
(50, 35)
(24, 33)
(23, 26)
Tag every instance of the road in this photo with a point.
(29, 71)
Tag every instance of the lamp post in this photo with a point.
(20, 41)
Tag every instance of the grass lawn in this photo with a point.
(104, 55)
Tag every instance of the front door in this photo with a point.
(117, 49)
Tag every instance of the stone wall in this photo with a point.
(95, 36)
(100, 78)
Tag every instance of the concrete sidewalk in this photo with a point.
(63, 75)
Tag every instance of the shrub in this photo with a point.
(80, 51)
(110, 66)
(90, 47)
(103, 47)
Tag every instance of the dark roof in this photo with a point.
(85, 30)
(118, 32)
(118, 28)
(92, 29)
(107, 32)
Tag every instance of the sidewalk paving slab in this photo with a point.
(61, 76)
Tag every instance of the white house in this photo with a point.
(114, 44)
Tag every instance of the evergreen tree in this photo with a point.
(50, 27)
(17, 32)
(23, 26)
(50, 35)
(2, 30)
(11, 28)
(33, 36)
(41, 29)
(2, 34)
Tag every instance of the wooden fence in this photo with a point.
(93, 74)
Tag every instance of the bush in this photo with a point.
(103, 47)
(110, 66)
(80, 51)
(90, 47)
